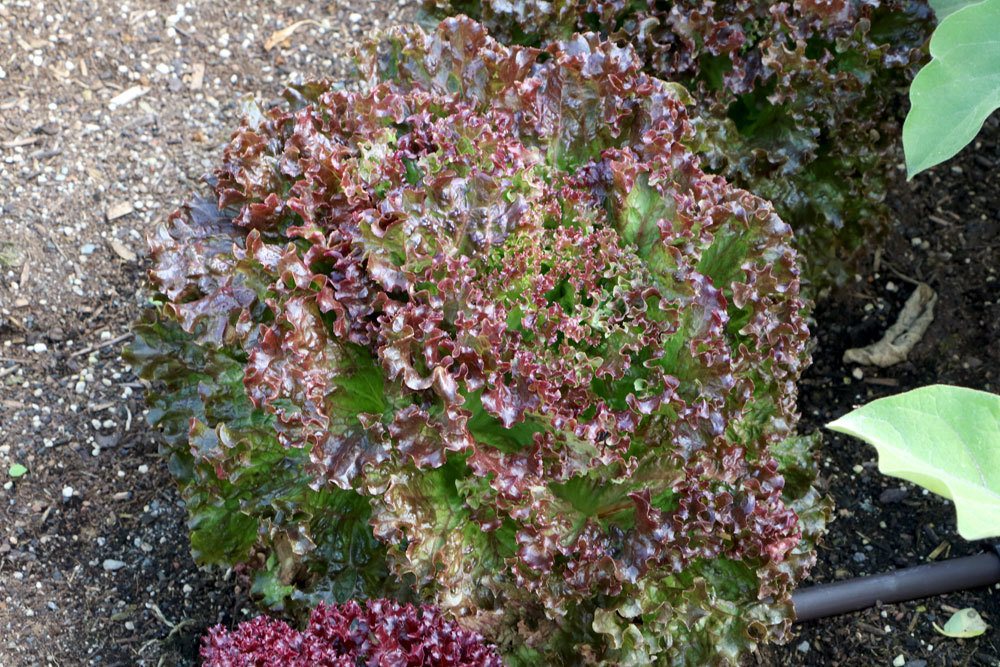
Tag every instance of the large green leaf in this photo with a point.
(946, 439)
(952, 96)
(944, 8)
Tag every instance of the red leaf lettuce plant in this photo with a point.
(379, 632)
(799, 102)
(485, 332)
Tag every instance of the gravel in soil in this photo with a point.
(110, 112)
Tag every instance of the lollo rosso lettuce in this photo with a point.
(485, 334)
(380, 632)
(799, 102)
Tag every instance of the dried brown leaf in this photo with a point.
(127, 96)
(279, 36)
(122, 250)
(197, 76)
(901, 337)
(119, 210)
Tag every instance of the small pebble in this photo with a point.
(143, 469)
(67, 492)
(87, 249)
(803, 647)
(110, 564)
(898, 661)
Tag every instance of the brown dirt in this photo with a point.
(94, 563)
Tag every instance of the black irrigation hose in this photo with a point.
(908, 583)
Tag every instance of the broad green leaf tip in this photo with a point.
(17, 470)
(944, 438)
(954, 94)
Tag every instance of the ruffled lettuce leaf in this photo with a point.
(800, 103)
(485, 333)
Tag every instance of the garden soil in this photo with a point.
(110, 112)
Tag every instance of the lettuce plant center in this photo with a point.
(485, 334)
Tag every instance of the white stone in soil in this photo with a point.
(110, 564)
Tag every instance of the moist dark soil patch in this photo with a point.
(948, 235)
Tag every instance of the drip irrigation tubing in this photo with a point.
(909, 583)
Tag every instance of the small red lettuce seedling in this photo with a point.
(379, 632)
(799, 102)
(485, 332)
